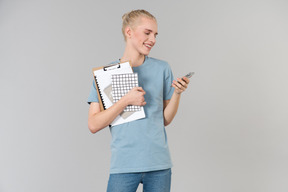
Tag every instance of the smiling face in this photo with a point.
(142, 36)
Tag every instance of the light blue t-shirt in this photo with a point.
(141, 145)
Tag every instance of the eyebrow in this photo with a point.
(151, 31)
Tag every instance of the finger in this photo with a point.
(142, 102)
(177, 84)
(142, 93)
(183, 83)
(177, 89)
(186, 80)
(140, 89)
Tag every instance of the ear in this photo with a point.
(128, 32)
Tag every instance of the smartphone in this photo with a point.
(190, 74)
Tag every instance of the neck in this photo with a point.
(133, 56)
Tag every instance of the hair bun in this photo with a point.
(124, 16)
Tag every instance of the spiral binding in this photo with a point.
(101, 97)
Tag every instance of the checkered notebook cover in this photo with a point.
(121, 85)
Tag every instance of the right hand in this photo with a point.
(135, 97)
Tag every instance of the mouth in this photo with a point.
(149, 46)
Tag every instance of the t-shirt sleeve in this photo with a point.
(93, 95)
(168, 89)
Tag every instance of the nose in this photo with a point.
(152, 39)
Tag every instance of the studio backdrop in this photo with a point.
(230, 133)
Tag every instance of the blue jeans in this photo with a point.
(153, 181)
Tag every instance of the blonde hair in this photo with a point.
(130, 18)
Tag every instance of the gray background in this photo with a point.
(230, 134)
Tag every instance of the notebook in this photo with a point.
(121, 85)
(103, 81)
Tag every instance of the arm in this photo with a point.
(98, 120)
(171, 106)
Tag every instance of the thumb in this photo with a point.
(140, 89)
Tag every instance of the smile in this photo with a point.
(149, 46)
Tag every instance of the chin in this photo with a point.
(145, 53)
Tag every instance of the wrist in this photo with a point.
(124, 100)
(177, 93)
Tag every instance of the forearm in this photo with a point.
(100, 120)
(171, 109)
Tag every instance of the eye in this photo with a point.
(147, 33)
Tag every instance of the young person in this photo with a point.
(140, 152)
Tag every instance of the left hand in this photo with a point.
(180, 85)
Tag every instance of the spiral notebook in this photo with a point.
(121, 85)
(103, 81)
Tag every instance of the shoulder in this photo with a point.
(159, 62)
